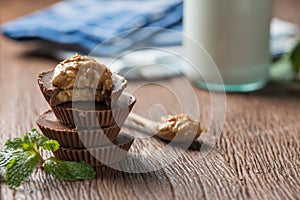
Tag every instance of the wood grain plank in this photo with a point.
(256, 157)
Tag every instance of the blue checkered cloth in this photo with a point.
(104, 27)
(110, 27)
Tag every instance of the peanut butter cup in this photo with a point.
(100, 155)
(81, 78)
(70, 137)
(93, 115)
(56, 96)
(89, 108)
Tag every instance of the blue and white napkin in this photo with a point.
(106, 27)
(109, 27)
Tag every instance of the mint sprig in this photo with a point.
(21, 157)
(6, 155)
(67, 170)
(20, 168)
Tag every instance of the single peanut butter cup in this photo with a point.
(84, 115)
(70, 137)
(56, 96)
(98, 156)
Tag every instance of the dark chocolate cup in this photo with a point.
(70, 137)
(100, 155)
(51, 92)
(83, 118)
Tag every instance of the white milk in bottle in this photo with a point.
(235, 34)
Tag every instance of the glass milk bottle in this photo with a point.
(235, 35)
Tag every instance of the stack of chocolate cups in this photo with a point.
(87, 131)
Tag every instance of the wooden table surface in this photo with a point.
(257, 156)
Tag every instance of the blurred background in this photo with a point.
(57, 29)
(7, 6)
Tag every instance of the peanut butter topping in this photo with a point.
(181, 125)
(82, 72)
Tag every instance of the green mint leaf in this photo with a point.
(33, 135)
(28, 144)
(19, 143)
(282, 70)
(50, 145)
(42, 141)
(6, 155)
(295, 57)
(34, 138)
(68, 170)
(15, 143)
(21, 156)
(20, 168)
